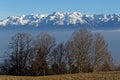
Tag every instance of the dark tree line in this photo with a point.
(42, 55)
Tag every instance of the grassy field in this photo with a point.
(79, 76)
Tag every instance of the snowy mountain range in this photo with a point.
(71, 19)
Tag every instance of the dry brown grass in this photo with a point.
(79, 76)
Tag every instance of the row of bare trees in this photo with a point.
(42, 55)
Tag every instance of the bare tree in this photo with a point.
(43, 45)
(101, 55)
(82, 41)
(70, 56)
(20, 53)
(58, 57)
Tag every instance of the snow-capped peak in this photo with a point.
(62, 19)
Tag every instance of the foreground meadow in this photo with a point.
(79, 76)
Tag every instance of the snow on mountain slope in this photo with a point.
(63, 19)
(22, 20)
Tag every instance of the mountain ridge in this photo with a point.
(74, 19)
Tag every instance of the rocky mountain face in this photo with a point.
(73, 19)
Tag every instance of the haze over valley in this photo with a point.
(62, 25)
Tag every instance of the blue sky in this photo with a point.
(20, 7)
